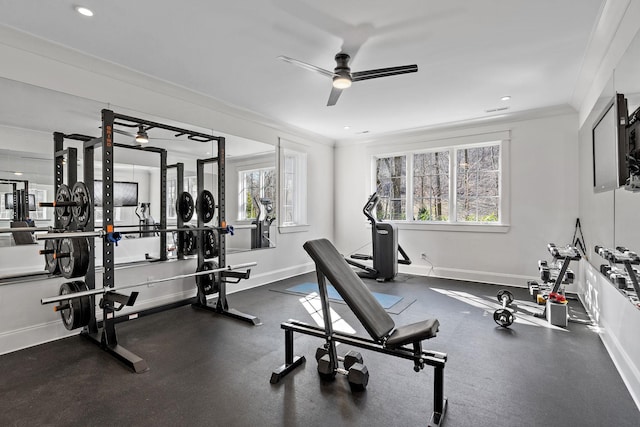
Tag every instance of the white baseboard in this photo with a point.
(33, 335)
(468, 275)
(19, 339)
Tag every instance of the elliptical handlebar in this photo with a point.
(369, 207)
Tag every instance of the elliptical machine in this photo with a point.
(146, 223)
(260, 234)
(384, 239)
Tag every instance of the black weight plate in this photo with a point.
(50, 261)
(184, 206)
(206, 206)
(72, 314)
(63, 213)
(210, 243)
(77, 261)
(85, 303)
(503, 317)
(504, 292)
(207, 284)
(82, 211)
(189, 241)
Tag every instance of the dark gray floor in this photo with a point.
(214, 371)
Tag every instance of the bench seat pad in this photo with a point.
(351, 288)
(415, 332)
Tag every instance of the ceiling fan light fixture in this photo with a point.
(141, 136)
(341, 82)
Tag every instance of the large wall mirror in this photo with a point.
(29, 115)
(609, 218)
(627, 203)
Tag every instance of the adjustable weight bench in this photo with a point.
(404, 341)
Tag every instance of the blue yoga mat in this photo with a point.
(385, 300)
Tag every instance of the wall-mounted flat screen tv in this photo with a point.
(609, 135)
(8, 201)
(124, 193)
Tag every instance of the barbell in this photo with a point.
(90, 292)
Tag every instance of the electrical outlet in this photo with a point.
(423, 256)
(149, 278)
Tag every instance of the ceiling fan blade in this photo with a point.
(333, 96)
(306, 66)
(383, 72)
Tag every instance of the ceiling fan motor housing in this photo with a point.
(342, 70)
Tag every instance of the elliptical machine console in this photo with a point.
(384, 239)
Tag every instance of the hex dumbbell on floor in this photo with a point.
(503, 316)
(356, 372)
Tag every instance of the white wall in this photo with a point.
(543, 202)
(40, 63)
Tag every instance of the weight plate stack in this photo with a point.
(207, 284)
(210, 243)
(189, 241)
(184, 206)
(63, 213)
(50, 261)
(75, 312)
(73, 257)
(82, 210)
(206, 206)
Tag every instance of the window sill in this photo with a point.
(298, 228)
(432, 226)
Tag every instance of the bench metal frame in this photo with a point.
(420, 357)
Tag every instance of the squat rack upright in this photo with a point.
(103, 333)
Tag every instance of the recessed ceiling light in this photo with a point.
(347, 127)
(505, 98)
(17, 173)
(84, 11)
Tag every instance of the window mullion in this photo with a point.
(409, 188)
(453, 185)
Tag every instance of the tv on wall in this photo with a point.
(609, 135)
(8, 201)
(124, 193)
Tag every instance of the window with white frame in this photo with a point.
(256, 182)
(457, 184)
(391, 184)
(294, 188)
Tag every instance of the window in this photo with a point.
(257, 182)
(478, 184)
(294, 188)
(431, 186)
(458, 184)
(391, 177)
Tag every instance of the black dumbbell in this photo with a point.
(356, 372)
(503, 316)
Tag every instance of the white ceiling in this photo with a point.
(469, 53)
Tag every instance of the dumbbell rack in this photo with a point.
(621, 278)
(556, 275)
(551, 291)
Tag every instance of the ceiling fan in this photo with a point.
(343, 77)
